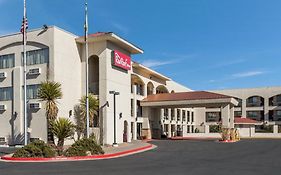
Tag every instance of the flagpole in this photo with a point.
(87, 69)
(24, 76)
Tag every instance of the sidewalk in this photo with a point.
(123, 149)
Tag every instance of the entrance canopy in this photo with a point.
(188, 100)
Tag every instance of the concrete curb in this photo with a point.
(193, 138)
(80, 158)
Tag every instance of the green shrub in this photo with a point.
(83, 146)
(264, 128)
(215, 129)
(35, 149)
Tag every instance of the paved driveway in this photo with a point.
(172, 157)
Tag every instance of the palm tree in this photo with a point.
(62, 128)
(93, 108)
(49, 92)
(80, 121)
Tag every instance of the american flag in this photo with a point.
(22, 29)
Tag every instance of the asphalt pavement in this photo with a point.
(249, 157)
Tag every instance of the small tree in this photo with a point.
(80, 122)
(93, 108)
(50, 92)
(62, 128)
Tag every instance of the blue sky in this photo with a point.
(203, 44)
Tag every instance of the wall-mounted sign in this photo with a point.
(121, 60)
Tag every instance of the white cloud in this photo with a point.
(238, 76)
(229, 63)
(168, 59)
(120, 27)
(247, 74)
(212, 81)
(156, 63)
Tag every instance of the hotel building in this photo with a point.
(57, 55)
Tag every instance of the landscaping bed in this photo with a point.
(39, 149)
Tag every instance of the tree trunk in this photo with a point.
(60, 143)
(51, 139)
(60, 146)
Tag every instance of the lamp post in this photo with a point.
(114, 113)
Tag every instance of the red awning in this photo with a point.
(240, 120)
(193, 95)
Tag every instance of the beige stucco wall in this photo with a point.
(64, 67)
(12, 44)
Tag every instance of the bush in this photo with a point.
(35, 149)
(264, 128)
(83, 147)
(215, 129)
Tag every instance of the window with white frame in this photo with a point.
(7, 61)
(40, 56)
(6, 93)
(32, 91)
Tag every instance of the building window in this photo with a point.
(139, 109)
(40, 56)
(7, 61)
(213, 116)
(183, 116)
(274, 115)
(132, 107)
(192, 129)
(6, 93)
(166, 112)
(256, 115)
(255, 101)
(166, 128)
(166, 115)
(275, 101)
(173, 114)
(32, 91)
(192, 116)
(237, 113)
(188, 129)
(178, 115)
(188, 116)
(278, 99)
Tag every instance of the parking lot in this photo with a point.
(172, 157)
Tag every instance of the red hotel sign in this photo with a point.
(121, 60)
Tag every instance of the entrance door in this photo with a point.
(132, 130)
(125, 132)
(139, 128)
